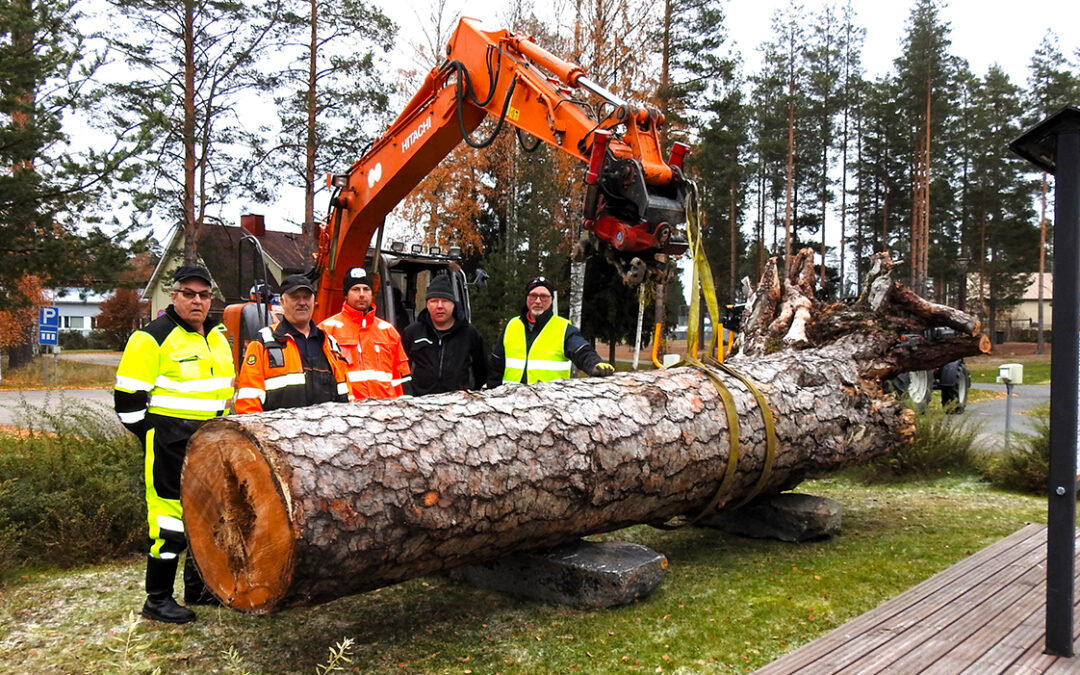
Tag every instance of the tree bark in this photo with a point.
(301, 506)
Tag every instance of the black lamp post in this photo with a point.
(1053, 145)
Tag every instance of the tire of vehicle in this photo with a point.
(916, 385)
(920, 388)
(955, 382)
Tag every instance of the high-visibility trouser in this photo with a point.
(165, 445)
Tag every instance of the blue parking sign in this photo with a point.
(49, 317)
(48, 325)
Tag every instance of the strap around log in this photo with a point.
(770, 430)
(733, 434)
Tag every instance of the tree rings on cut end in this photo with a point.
(237, 518)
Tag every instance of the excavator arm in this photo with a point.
(634, 199)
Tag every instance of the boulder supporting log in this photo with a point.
(578, 574)
(787, 517)
(296, 507)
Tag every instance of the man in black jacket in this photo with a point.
(445, 352)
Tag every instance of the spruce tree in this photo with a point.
(49, 226)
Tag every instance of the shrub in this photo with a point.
(942, 444)
(75, 340)
(1025, 466)
(70, 489)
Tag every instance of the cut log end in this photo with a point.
(237, 520)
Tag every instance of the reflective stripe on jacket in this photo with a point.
(273, 375)
(544, 360)
(378, 365)
(171, 370)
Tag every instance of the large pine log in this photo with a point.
(302, 506)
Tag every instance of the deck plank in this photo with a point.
(985, 614)
(833, 651)
(936, 634)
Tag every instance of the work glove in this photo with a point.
(602, 369)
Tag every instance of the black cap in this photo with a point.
(441, 287)
(539, 281)
(356, 275)
(295, 282)
(191, 272)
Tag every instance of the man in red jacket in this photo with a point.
(378, 366)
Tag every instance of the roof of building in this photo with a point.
(71, 295)
(1032, 290)
(217, 250)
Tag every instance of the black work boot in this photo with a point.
(160, 605)
(195, 590)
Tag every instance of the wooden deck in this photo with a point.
(983, 615)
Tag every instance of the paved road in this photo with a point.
(99, 358)
(17, 407)
(990, 415)
(22, 407)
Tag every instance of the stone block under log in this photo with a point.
(579, 574)
(788, 517)
(296, 507)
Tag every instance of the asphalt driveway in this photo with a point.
(18, 407)
(991, 415)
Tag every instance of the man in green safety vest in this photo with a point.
(176, 373)
(539, 346)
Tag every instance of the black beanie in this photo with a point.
(440, 287)
(539, 281)
(356, 275)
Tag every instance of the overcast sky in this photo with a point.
(983, 31)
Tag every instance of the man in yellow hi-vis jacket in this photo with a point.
(539, 346)
(176, 373)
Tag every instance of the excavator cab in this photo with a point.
(243, 321)
(404, 276)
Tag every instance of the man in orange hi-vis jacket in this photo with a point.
(293, 363)
(378, 366)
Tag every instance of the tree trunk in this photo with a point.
(20, 355)
(191, 223)
(301, 506)
(309, 238)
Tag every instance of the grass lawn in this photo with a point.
(67, 375)
(728, 604)
(985, 369)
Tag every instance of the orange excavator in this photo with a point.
(634, 198)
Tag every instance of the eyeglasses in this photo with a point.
(539, 296)
(191, 295)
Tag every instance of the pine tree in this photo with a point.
(925, 73)
(879, 172)
(852, 88)
(1002, 197)
(1052, 83)
(193, 70)
(824, 77)
(331, 97)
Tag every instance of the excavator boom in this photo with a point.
(634, 198)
